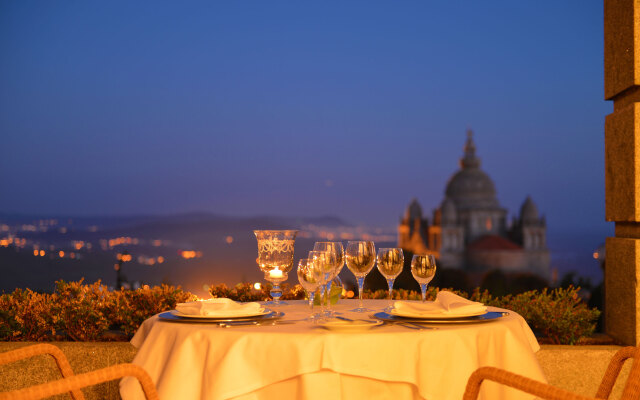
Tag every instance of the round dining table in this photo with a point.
(298, 359)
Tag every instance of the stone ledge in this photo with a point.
(575, 368)
(580, 368)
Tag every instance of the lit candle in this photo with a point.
(275, 273)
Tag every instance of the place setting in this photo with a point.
(223, 312)
(447, 308)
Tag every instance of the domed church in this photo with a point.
(470, 229)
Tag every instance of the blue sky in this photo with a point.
(296, 108)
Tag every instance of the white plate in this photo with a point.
(222, 314)
(350, 326)
(407, 314)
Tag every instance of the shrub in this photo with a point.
(129, 308)
(558, 314)
(27, 315)
(77, 311)
(246, 292)
(81, 310)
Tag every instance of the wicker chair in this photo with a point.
(70, 382)
(545, 391)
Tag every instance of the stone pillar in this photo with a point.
(622, 168)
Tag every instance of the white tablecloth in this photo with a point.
(204, 361)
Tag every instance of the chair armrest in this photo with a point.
(87, 379)
(613, 370)
(43, 348)
(516, 381)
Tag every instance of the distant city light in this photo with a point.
(123, 257)
(160, 260)
(35, 253)
(61, 253)
(72, 255)
(229, 239)
(596, 255)
(41, 253)
(187, 254)
(122, 240)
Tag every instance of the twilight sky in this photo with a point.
(298, 108)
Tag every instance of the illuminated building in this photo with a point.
(470, 229)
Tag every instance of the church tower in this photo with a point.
(412, 230)
(469, 228)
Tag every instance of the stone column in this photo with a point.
(622, 168)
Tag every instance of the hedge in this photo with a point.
(88, 312)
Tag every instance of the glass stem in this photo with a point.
(360, 287)
(312, 296)
(390, 283)
(276, 293)
(328, 293)
(423, 287)
(323, 291)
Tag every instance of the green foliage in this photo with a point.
(335, 294)
(27, 315)
(558, 314)
(80, 310)
(129, 308)
(77, 311)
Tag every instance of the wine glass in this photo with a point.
(275, 258)
(309, 277)
(390, 263)
(360, 256)
(322, 260)
(423, 269)
(333, 269)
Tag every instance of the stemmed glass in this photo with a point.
(423, 269)
(333, 269)
(390, 263)
(275, 258)
(360, 256)
(323, 261)
(309, 277)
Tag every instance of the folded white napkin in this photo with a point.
(218, 307)
(446, 303)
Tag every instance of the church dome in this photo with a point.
(529, 211)
(413, 210)
(471, 187)
(448, 212)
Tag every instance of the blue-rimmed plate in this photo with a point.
(173, 317)
(486, 317)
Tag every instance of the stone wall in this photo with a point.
(622, 168)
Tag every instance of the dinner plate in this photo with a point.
(486, 317)
(357, 325)
(417, 315)
(172, 317)
(221, 314)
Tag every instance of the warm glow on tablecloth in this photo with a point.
(203, 361)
